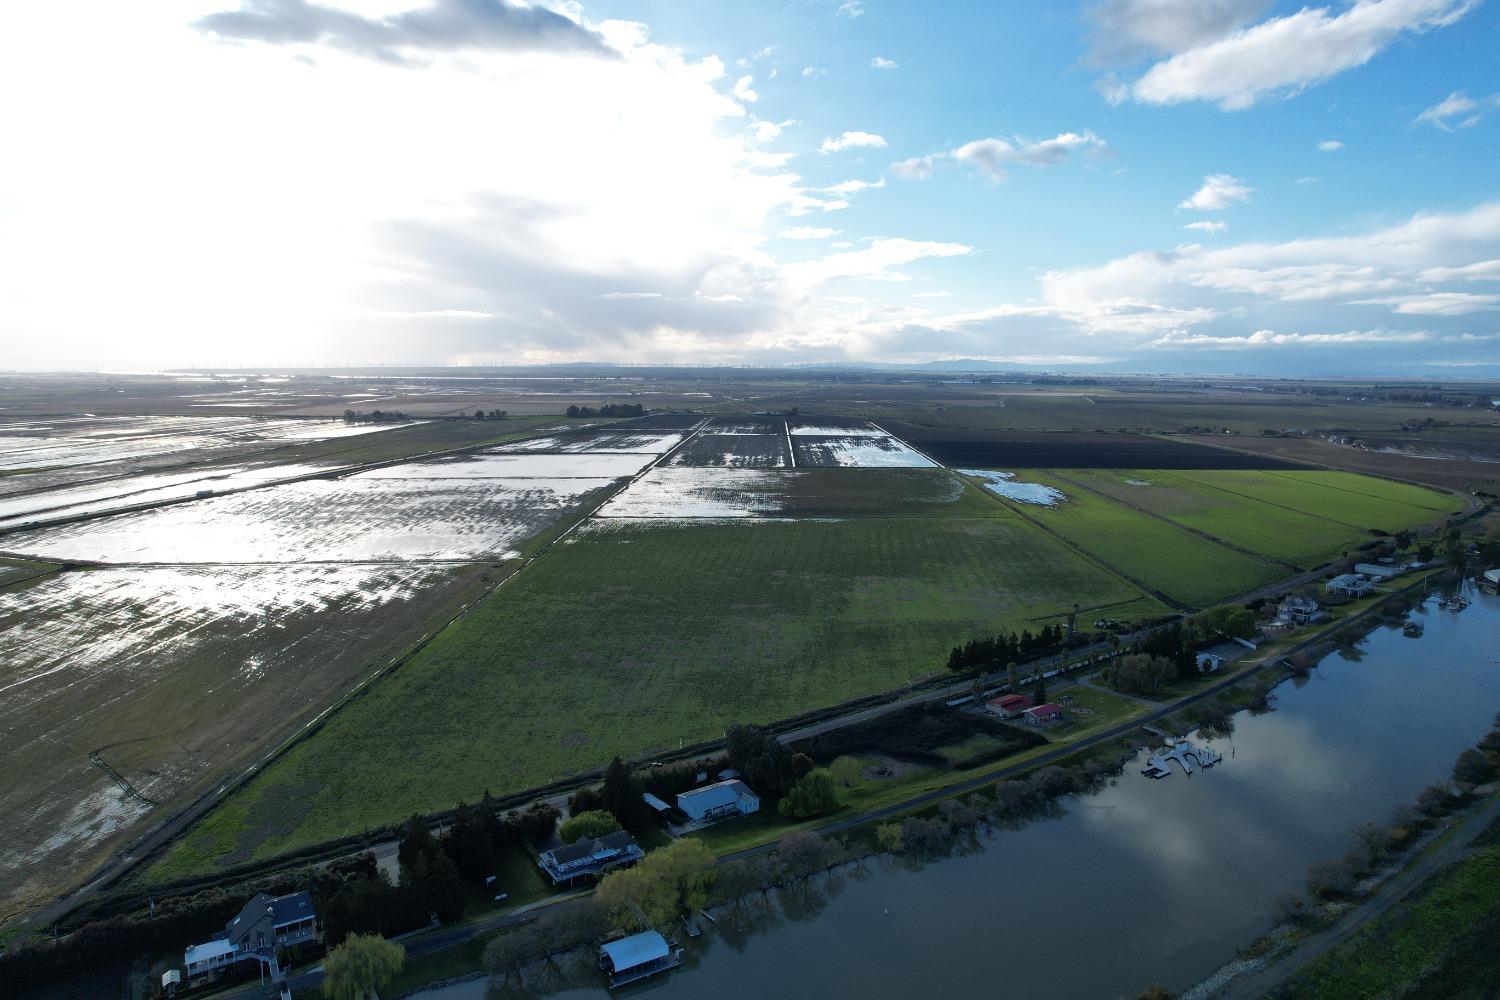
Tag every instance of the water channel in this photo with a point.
(1145, 882)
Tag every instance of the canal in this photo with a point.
(1144, 882)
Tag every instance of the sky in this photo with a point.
(1206, 186)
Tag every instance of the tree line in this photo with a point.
(608, 410)
(997, 651)
(373, 417)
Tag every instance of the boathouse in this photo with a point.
(1209, 662)
(631, 959)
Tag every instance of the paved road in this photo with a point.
(1392, 892)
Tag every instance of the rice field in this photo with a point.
(633, 635)
(720, 449)
(856, 451)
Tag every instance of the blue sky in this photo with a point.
(477, 181)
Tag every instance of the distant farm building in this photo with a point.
(590, 858)
(1350, 585)
(657, 805)
(631, 959)
(1379, 571)
(1209, 662)
(1008, 706)
(718, 801)
(1043, 715)
(263, 925)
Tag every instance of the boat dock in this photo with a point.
(1182, 751)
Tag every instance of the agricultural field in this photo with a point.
(1062, 450)
(1186, 567)
(174, 676)
(855, 451)
(634, 635)
(1296, 538)
(718, 448)
(1354, 500)
(735, 493)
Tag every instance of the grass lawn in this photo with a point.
(1417, 937)
(630, 637)
(1182, 565)
(1302, 539)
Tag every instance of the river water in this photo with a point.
(1144, 882)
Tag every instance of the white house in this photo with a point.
(1350, 585)
(1209, 662)
(1298, 611)
(719, 800)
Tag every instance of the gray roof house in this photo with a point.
(264, 924)
(590, 858)
(719, 800)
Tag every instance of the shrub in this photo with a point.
(588, 825)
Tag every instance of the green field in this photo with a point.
(1343, 497)
(1300, 539)
(1180, 564)
(634, 636)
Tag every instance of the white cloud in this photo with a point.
(807, 233)
(991, 156)
(1209, 226)
(765, 131)
(743, 92)
(918, 167)
(855, 186)
(1330, 146)
(881, 62)
(851, 8)
(1270, 338)
(1436, 303)
(876, 262)
(852, 140)
(631, 295)
(1219, 191)
(1284, 55)
(932, 295)
(1484, 270)
(1457, 105)
(1127, 29)
(813, 72)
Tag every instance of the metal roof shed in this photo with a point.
(636, 957)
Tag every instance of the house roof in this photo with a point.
(720, 793)
(1051, 708)
(654, 802)
(1010, 701)
(638, 949)
(617, 841)
(286, 909)
(206, 952)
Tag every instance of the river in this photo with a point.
(1144, 882)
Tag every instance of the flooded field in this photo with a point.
(172, 676)
(1006, 484)
(744, 451)
(44, 444)
(857, 450)
(357, 518)
(484, 465)
(833, 427)
(604, 441)
(686, 493)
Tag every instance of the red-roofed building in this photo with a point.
(1008, 706)
(1044, 715)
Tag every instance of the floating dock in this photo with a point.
(1182, 751)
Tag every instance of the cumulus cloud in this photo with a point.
(1209, 226)
(807, 233)
(1457, 105)
(851, 9)
(742, 90)
(1270, 338)
(813, 72)
(881, 62)
(1284, 55)
(1330, 146)
(1219, 191)
(444, 26)
(852, 140)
